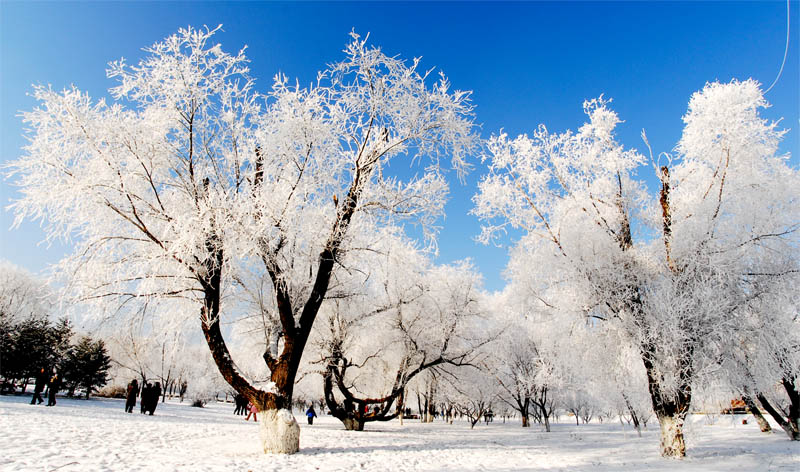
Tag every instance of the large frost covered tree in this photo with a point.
(189, 179)
(674, 272)
(403, 317)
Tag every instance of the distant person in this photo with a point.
(311, 414)
(145, 397)
(241, 404)
(41, 381)
(252, 410)
(155, 394)
(130, 395)
(55, 384)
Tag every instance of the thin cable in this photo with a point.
(785, 51)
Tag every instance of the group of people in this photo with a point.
(243, 406)
(150, 394)
(53, 385)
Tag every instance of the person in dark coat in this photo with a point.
(155, 394)
(241, 404)
(145, 397)
(130, 397)
(55, 384)
(41, 380)
(311, 414)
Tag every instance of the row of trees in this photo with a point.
(32, 346)
(699, 277)
(194, 198)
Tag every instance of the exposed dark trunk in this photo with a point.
(753, 409)
(670, 409)
(541, 411)
(790, 423)
(634, 416)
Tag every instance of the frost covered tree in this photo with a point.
(473, 393)
(152, 348)
(29, 340)
(22, 295)
(525, 359)
(188, 179)
(763, 364)
(402, 318)
(674, 273)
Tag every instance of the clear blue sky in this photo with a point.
(527, 63)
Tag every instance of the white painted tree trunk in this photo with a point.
(672, 444)
(280, 433)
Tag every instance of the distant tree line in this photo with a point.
(33, 344)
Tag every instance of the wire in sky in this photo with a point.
(785, 51)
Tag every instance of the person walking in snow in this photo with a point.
(130, 396)
(155, 394)
(41, 380)
(311, 414)
(55, 383)
(241, 404)
(145, 397)
(252, 411)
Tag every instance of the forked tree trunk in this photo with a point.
(526, 422)
(280, 432)
(671, 410)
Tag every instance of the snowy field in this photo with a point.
(95, 435)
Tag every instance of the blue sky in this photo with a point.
(526, 63)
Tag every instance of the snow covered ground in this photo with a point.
(94, 435)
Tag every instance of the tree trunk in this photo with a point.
(672, 443)
(671, 413)
(353, 424)
(753, 409)
(670, 408)
(790, 424)
(634, 416)
(280, 433)
(526, 422)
